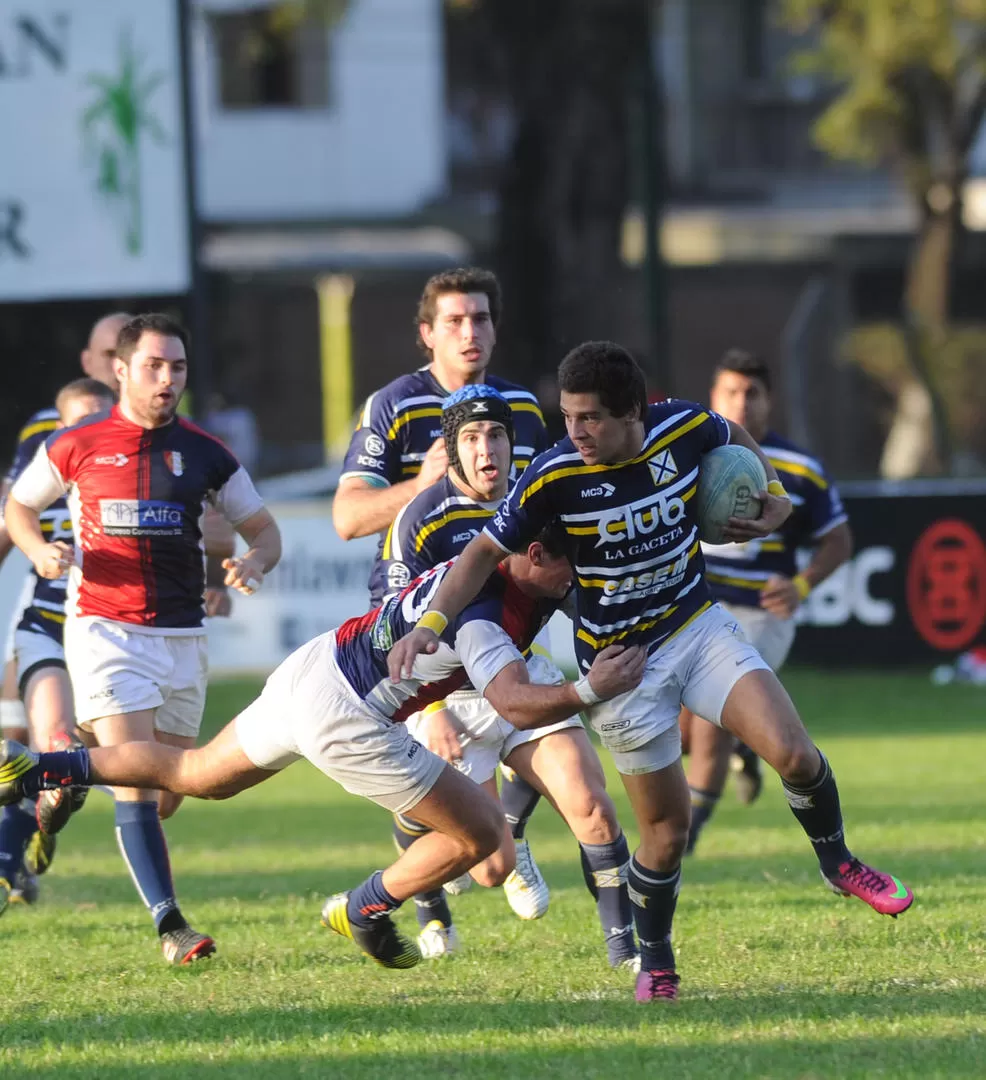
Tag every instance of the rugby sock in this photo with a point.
(817, 809)
(56, 768)
(654, 896)
(427, 905)
(17, 825)
(703, 806)
(370, 901)
(606, 866)
(145, 851)
(519, 801)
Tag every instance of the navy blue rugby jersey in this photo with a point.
(633, 536)
(433, 527)
(738, 572)
(45, 612)
(398, 424)
(492, 632)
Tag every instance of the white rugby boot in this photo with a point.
(527, 891)
(437, 940)
(457, 886)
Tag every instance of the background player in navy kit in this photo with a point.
(633, 540)
(135, 645)
(397, 451)
(96, 361)
(43, 682)
(332, 702)
(435, 526)
(758, 582)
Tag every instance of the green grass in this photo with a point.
(781, 979)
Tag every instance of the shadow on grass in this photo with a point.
(627, 1036)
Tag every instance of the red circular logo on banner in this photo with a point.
(946, 584)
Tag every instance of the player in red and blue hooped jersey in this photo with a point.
(622, 484)
(758, 582)
(333, 703)
(137, 478)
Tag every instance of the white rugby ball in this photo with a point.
(730, 479)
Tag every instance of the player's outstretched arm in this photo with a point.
(524, 704)
(479, 558)
(245, 572)
(776, 507)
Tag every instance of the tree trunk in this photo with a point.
(565, 188)
(920, 438)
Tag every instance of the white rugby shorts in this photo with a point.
(117, 670)
(23, 601)
(307, 709)
(771, 636)
(33, 650)
(489, 739)
(697, 668)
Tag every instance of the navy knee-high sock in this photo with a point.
(817, 808)
(17, 825)
(145, 851)
(519, 801)
(654, 895)
(605, 865)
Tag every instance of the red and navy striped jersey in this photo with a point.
(492, 632)
(45, 612)
(398, 424)
(433, 527)
(136, 496)
(631, 526)
(738, 572)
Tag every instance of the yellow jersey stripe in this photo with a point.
(51, 615)
(600, 583)
(572, 470)
(649, 624)
(742, 583)
(412, 414)
(783, 466)
(36, 429)
(452, 515)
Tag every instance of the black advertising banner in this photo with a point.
(915, 589)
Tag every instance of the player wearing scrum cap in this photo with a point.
(397, 451)
(623, 486)
(464, 728)
(137, 479)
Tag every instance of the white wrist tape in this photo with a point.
(587, 695)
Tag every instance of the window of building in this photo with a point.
(264, 63)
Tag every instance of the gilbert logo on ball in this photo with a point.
(730, 479)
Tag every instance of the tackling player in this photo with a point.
(332, 702)
(758, 582)
(623, 486)
(137, 478)
(464, 729)
(397, 451)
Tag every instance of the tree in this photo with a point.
(912, 79)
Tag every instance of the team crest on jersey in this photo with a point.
(662, 467)
(174, 461)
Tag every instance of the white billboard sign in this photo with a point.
(92, 190)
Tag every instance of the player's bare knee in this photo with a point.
(595, 820)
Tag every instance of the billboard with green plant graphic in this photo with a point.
(92, 190)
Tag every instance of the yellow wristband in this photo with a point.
(433, 620)
(802, 584)
(435, 706)
(775, 487)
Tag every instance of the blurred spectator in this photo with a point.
(237, 427)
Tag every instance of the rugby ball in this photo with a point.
(729, 480)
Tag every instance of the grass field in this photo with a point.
(780, 977)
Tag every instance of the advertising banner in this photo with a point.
(92, 190)
(915, 590)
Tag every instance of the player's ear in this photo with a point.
(427, 334)
(119, 368)
(535, 552)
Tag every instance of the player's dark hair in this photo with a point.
(608, 370)
(154, 322)
(80, 388)
(743, 363)
(464, 279)
(553, 539)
